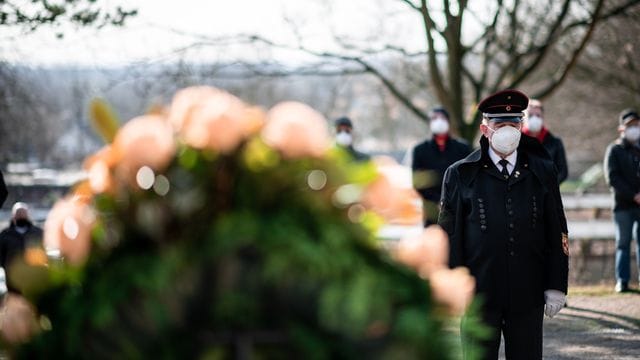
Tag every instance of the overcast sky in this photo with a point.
(151, 35)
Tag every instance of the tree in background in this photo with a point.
(30, 118)
(79, 12)
(471, 50)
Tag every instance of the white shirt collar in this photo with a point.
(512, 158)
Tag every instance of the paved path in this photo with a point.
(598, 324)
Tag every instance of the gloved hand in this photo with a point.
(554, 301)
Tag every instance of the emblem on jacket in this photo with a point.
(565, 244)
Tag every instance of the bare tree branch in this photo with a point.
(554, 83)
(544, 49)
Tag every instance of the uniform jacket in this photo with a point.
(555, 148)
(622, 172)
(13, 244)
(508, 232)
(427, 158)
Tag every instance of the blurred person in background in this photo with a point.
(622, 172)
(535, 127)
(345, 137)
(431, 158)
(20, 235)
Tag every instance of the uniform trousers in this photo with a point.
(522, 331)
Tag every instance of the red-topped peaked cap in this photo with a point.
(505, 105)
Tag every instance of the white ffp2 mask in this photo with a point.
(632, 133)
(505, 140)
(439, 126)
(534, 123)
(344, 139)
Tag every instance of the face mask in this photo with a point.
(534, 123)
(505, 140)
(344, 139)
(439, 126)
(23, 222)
(632, 133)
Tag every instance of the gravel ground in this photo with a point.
(597, 324)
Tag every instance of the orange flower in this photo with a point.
(426, 252)
(208, 118)
(453, 288)
(143, 141)
(35, 256)
(17, 320)
(98, 167)
(395, 204)
(68, 229)
(392, 196)
(296, 130)
(379, 196)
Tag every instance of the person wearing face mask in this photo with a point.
(622, 173)
(431, 158)
(500, 209)
(344, 139)
(535, 127)
(20, 235)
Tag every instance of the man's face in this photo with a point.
(343, 128)
(634, 122)
(21, 214)
(535, 111)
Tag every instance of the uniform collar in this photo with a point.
(495, 158)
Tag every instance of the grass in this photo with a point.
(596, 290)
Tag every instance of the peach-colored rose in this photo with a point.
(99, 167)
(426, 252)
(453, 288)
(396, 205)
(68, 229)
(17, 319)
(378, 196)
(142, 141)
(296, 130)
(209, 118)
(397, 202)
(185, 101)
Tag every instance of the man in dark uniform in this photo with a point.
(344, 139)
(535, 127)
(622, 172)
(500, 209)
(431, 158)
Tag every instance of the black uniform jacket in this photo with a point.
(622, 171)
(508, 232)
(555, 148)
(427, 158)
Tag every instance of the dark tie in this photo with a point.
(504, 171)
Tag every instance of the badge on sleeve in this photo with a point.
(565, 244)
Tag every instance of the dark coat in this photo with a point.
(355, 154)
(13, 244)
(555, 148)
(3, 190)
(622, 172)
(508, 232)
(428, 159)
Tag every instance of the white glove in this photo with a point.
(554, 301)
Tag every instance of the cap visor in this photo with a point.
(514, 119)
